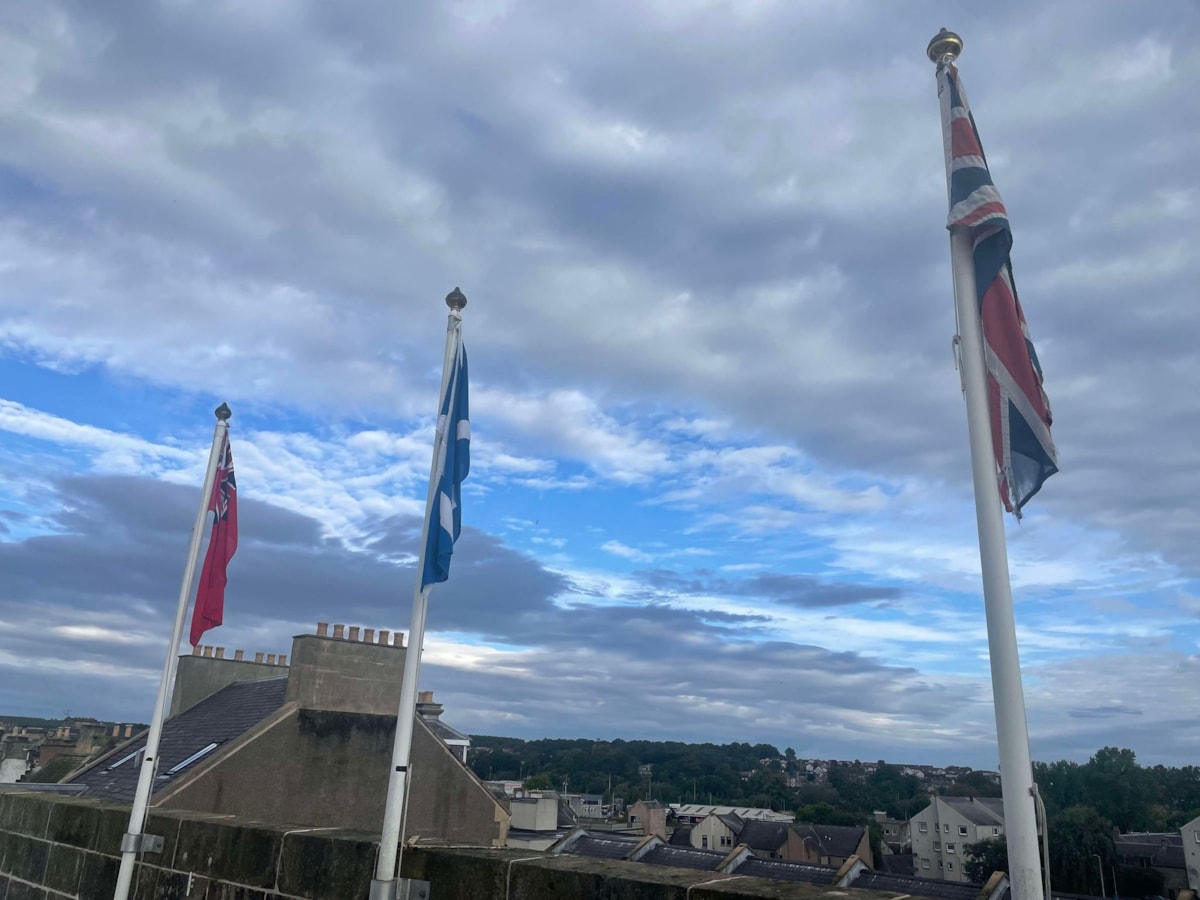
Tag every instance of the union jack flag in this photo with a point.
(1018, 406)
(210, 595)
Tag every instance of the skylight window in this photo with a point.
(125, 759)
(179, 767)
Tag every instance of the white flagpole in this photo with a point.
(1012, 731)
(131, 842)
(384, 885)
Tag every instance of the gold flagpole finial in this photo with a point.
(944, 48)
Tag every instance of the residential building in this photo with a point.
(1189, 836)
(895, 837)
(942, 831)
(1162, 852)
(765, 839)
(310, 746)
(717, 831)
(828, 845)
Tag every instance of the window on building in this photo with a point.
(924, 864)
(946, 828)
(950, 866)
(939, 864)
(996, 830)
(924, 827)
(1197, 834)
(704, 842)
(949, 848)
(937, 845)
(962, 830)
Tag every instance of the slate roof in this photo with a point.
(443, 731)
(681, 836)
(1162, 850)
(978, 810)
(896, 864)
(832, 840)
(684, 858)
(732, 821)
(606, 846)
(759, 835)
(777, 869)
(227, 714)
(920, 887)
(782, 870)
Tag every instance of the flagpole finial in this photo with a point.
(456, 299)
(223, 412)
(944, 48)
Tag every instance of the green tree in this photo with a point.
(1119, 789)
(985, 857)
(1077, 836)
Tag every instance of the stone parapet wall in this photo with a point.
(54, 848)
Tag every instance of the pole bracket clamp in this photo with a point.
(141, 843)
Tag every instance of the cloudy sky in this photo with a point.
(720, 485)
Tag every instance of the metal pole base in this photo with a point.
(399, 889)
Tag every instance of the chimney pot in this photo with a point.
(368, 635)
(220, 653)
(398, 639)
(238, 654)
(270, 659)
(207, 650)
(354, 632)
(322, 629)
(195, 649)
(383, 635)
(424, 696)
(339, 631)
(282, 659)
(258, 657)
(116, 731)
(128, 731)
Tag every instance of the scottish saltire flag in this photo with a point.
(452, 463)
(209, 610)
(1020, 411)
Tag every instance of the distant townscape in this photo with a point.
(746, 807)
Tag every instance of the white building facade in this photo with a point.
(943, 831)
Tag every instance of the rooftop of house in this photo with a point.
(186, 739)
(700, 810)
(1162, 850)
(759, 835)
(653, 851)
(840, 841)
(977, 810)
